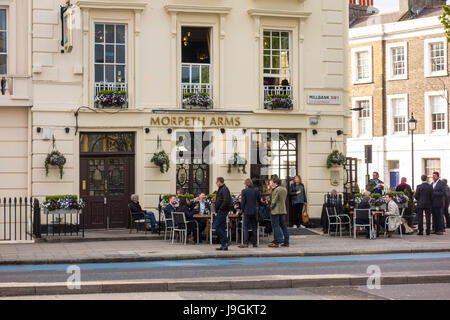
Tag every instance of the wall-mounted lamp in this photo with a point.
(169, 131)
(222, 130)
(38, 129)
(67, 130)
(340, 132)
(244, 131)
(314, 132)
(147, 130)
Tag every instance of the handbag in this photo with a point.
(305, 217)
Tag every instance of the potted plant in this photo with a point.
(400, 198)
(335, 158)
(237, 161)
(111, 98)
(62, 204)
(162, 160)
(202, 99)
(278, 101)
(55, 158)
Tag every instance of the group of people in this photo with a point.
(433, 201)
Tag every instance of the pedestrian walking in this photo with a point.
(250, 205)
(223, 205)
(278, 214)
(298, 198)
(424, 197)
(439, 191)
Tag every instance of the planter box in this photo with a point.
(62, 211)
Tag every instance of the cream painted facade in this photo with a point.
(64, 82)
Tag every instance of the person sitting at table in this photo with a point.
(365, 204)
(201, 206)
(139, 213)
(185, 206)
(393, 214)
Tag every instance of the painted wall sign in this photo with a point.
(191, 121)
(324, 99)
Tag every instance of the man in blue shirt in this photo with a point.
(375, 185)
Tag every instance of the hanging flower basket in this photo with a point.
(162, 160)
(335, 158)
(237, 161)
(55, 158)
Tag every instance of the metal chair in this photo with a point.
(211, 227)
(180, 225)
(135, 222)
(242, 232)
(345, 219)
(335, 219)
(359, 220)
(168, 224)
(386, 222)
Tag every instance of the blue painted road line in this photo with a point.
(225, 262)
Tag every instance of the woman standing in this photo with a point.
(298, 197)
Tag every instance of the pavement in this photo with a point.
(93, 251)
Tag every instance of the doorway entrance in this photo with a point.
(193, 162)
(106, 178)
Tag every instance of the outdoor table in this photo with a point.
(376, 214)
(206, 217)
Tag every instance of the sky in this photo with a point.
(388, 5)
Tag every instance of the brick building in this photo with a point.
(398, 66)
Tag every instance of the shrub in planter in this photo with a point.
(55, 158)
(110, 98)
(162, 160)
(335, 158)
(197, 99)
(278, 101)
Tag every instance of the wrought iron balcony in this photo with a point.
(111, 95)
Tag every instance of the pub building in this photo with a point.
(264, 80)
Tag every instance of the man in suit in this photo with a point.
(278, 214)
(424, 197)
(223, 205)
(249, 206)
(439, 191)
(447, 204)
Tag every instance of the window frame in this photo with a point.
(391, 114)
(356, 118)
(427, 58)
(428, 114)
(434, 168)
(390, 60)
(354, 55)
(7, 30)
(289, 50)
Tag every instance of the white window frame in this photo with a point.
(428, 119)
(390, 60)
(354, 56)
(390, 114)
(427, 56)
(355, 118)
(434, 168)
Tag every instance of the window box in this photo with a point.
(192, 100)
(111, 99)
(278, 101)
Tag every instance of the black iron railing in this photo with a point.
(17, 218)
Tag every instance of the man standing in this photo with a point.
(250, 205)
(278, 213)
(424, 197)
(375, 185)
(447, 204)
(438, 204)
(223, 205)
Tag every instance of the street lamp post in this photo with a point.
(412, 123)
